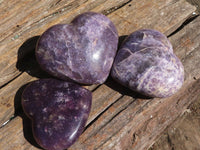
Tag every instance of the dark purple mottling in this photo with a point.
(58, 110)
(82, 51)
(145, 63)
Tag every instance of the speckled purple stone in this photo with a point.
(58, 110)
(82, 51)
(145, 63)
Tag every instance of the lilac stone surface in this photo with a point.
(146, 64)
(82, 51)
(58, 110)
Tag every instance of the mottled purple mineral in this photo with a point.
(145, 63)
(82, 51)
(58, 110)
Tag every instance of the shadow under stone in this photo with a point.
(124, 90)
(121, 39)
(27, 124)
(26, 61)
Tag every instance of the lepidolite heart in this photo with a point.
(82, 51)
(146, 63)
(58, 110)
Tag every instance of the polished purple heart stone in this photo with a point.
(145, 63)
(82, 51)
(58, 110)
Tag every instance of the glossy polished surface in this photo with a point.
(145, 63)
(82, 51)
(58, 110)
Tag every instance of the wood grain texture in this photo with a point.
(160, 15)
(21, 20)
(34, 17)
(119, 119)
(20, 48)
(27, 65)
(183, 133)
(138, 125)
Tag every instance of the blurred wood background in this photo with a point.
(120, 119)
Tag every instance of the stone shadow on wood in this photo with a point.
(124, 90)
(27, 124)
(26, 61)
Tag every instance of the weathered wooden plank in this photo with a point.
(33, 13)
(7, 96)
(31, 66)
(37, 16)
(177, 104)
(111, 113)
(183, 133)
(103, 97)
(130, 123)
(160, 15)
(149, 122)
(11, 142)
(101, 131)
(141, 132)
(136, 124)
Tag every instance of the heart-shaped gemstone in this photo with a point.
(58, 110)
(82, 51)
(145, 63)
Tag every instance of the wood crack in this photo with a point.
(6, 122)
(170, 142)
(139, 111)
(111, 10)
(11, 80)
(100, 114)
(96, 88)
(185, 23)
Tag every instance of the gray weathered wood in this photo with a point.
(119, 119)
